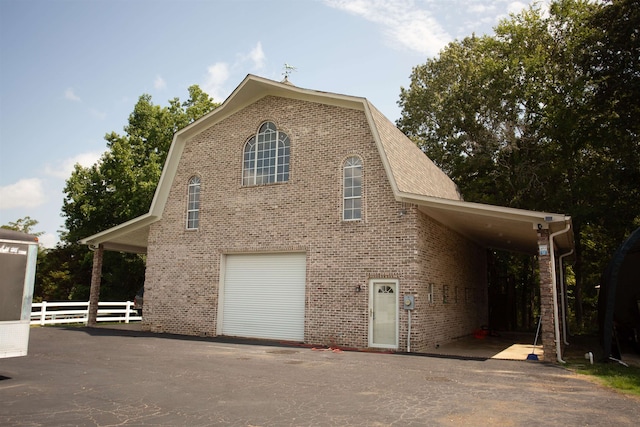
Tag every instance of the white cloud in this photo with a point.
(402, 21)
(256, 56)
(48, 240)
(159, 83)
(219, 73)
(217, 76)
(507, 8)
(63, 168)
(516, 7)
(480, 8)
(70, 95)
(26, 193)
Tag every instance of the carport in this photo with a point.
(547, 236)
(131, 236)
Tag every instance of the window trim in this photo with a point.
(193, 211)
(277, 166)
(352, 162)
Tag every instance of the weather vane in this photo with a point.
(288, 69)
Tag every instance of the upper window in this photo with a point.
(352, 183)
(193, 203)
(266, 157)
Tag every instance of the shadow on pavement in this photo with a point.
(134, 331)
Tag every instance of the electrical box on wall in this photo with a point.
(409, 302)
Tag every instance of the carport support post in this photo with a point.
(94, 293)
(547, 333)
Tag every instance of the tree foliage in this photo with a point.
(119, 187)
(24, 225)
(541, 115)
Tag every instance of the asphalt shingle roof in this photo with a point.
(412, 170)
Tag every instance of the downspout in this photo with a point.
(555, 292)
(409, 332)
(562, 297)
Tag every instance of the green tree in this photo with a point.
(25, 225)
(64, 273)
(47, 279)
(120, 187)
(518, 119)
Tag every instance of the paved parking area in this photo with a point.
(109, 377)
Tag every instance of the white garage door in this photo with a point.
(264, 296)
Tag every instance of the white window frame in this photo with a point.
(267, 151)
(352, 192)
(430, 294)
(193, 203)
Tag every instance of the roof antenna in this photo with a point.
(288, 69)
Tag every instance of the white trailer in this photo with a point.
(18, 255)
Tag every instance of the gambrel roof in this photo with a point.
(409, 169)
(413, 177)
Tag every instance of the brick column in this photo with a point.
(547, 330)
(94, 293)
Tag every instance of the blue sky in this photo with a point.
(71, 70)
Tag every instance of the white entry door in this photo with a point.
(383, 313)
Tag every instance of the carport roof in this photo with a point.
(414, 178)
(496, 227)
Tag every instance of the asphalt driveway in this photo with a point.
(109, 377)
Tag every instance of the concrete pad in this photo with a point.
(504, 347)
(519, 352)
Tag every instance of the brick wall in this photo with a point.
(304, 214)
(547, 311)
(454, 269)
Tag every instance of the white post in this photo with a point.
(43, 312)
(126, 314)
(86, 313)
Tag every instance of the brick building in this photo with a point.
(298, 215)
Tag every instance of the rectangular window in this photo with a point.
(430, 297)
(193, 204)
(352, 189)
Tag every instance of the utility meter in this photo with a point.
(409, 302)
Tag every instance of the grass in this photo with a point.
(619, 377)
(625, 379)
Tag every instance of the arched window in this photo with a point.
(352, 193)
(266, 157)
(193, 203)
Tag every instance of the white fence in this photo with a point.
(50, 313)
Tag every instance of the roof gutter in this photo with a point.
(555, 291)
(479, 208)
